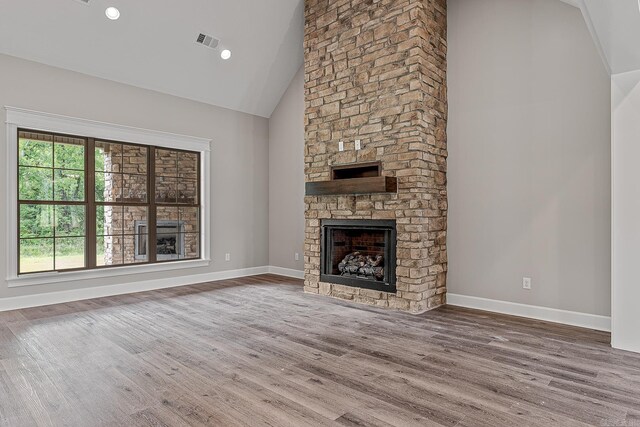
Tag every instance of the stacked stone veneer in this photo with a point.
(376, 71)
(127, 165)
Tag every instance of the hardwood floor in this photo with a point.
(257, 351)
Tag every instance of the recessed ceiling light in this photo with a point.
(112, 13)
(225, 54)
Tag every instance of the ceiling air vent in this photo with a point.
(83, 1)
(208, 41)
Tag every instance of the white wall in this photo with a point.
(625, 319)
(239, 171)
(286, 178)
(529, 156)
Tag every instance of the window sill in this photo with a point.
(72, 276)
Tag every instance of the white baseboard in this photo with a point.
(602, 323)
(26, 301)
(574, 318)
(288, 272)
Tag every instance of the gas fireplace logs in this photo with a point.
(356, 264)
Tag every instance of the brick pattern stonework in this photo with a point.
(376, 71)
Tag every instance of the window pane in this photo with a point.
(108, 157)
(134, 188)
(69, 220)
(109, 250)
(135, 249)
(135, 219)
(188, 192)
(166, 213)
(69, 153)
(35, 151)
(191, 246)
(134, 159)
(36, 255)
(166, 189)
(69, 253)
(35, 183)
(166, 163)
(188, 165)
(189, 220)
(100, 250)
(69, 185)
(142, 243)
(36, 221)
(109, 220)
(108, 187)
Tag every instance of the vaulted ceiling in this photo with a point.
(615, 27)
(153, 45)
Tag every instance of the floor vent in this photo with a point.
(207, 40)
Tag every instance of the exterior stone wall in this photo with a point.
(376, 71)
(126, 182)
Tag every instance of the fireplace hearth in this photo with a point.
(359, 253)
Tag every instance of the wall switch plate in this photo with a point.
(526, 283)
(341, 146)
(227, 257)
(297, 256)
(358, 144)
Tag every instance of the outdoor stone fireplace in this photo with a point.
(170, 240)
(124, 229)
(375, 77)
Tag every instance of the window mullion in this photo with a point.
(152, 221)
(90, 196)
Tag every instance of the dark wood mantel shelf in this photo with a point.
(375, 184)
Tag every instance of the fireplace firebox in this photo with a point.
(359, 253)
(169, 240)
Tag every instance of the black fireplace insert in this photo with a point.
(359, 253)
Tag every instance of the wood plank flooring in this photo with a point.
(257, 351)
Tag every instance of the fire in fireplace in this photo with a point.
(360, 253)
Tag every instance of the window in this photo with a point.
(86, 203)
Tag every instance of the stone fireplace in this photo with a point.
(376, 103)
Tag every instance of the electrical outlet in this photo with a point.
(341, 146)
(297, 256)
(358, 144)
(526, 283)
(227, 257)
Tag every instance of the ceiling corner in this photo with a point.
(586, 14)
(574, 3)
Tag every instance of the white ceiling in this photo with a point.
(615, 27)
(153, 46)
(616, 24)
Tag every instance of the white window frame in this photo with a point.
(19, 118)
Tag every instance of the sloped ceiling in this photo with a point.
(153, 46)
(615, 27)
(616, 24)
